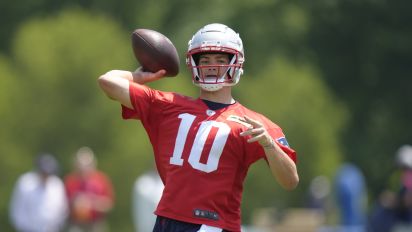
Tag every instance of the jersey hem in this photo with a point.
(191, 220)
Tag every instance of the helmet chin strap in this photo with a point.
(210, 87)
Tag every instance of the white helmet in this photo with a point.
(216, 38)
(404, 156)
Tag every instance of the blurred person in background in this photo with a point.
(90, 194)
(318, 194)
(147, 192)
(383, 217)
(393, 210)
(404, 162)
(39, 201)
(351, 198)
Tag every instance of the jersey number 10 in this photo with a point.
(199, 143)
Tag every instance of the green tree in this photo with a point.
(10, 149)
(56, 61)
(364, 54)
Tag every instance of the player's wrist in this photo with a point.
(137, 76)
(269, 145)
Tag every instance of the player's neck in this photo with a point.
(223, 95)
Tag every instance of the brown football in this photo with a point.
(154, 51)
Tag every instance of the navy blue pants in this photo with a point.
(164, 224)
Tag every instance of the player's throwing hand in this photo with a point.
(142, 77)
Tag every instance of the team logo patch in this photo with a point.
(235, 118)
(283, 141)
(206, 214)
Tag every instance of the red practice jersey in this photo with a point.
(94, 184)
(199, 154)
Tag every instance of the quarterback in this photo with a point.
(203, 146)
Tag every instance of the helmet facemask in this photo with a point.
(214, 77)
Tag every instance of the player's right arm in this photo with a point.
(115, 83)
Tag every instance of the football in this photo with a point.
(154, 51)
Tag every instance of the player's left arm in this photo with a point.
(283, 168)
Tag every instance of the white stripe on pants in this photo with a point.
(205, 228)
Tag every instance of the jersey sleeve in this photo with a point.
(280, 140)
(147, 104)
(141, 98)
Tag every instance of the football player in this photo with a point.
(203, 146)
